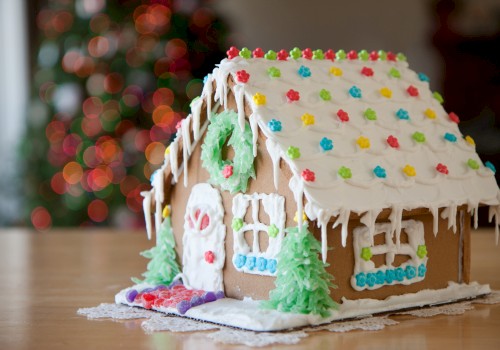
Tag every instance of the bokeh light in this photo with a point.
(98, 210)
(41, 219)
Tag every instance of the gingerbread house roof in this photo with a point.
(360, 132)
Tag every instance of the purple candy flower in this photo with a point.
(183, 306)
(220, 294)
(209, 296)
(131, 294)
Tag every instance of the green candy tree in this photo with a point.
(302, 283)
(163, 266)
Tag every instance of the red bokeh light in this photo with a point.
(41, 219)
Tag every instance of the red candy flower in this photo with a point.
(292, 95)
(227, 172)
(232, 52)
(307, 54)
(443, 169)
(308, 175)
(352, 55)
(454, 118)
(343, 115)
(412, 91)
(209, 256)
(330, 55)
(373, 55)
(258, 53)
(391, 56)
(367, 71)
(393, 141)
(282, 55)
(242, 76)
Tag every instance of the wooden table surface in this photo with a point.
(46, 277)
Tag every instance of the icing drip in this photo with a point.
(207, 94)
(196, 116)
(472, 210)
(323, 218)
(396, 218)
(494, 211)
(368, 219)
(450, 213)
(186, 146)
(239, 95)
(274, 151)
(343, 219)
(435, 219)
(255, 132)
(146, 206)
(159, 197)
(297, 187)
(174, 164)
(255, 218)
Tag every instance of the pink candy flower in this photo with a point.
(227, 172)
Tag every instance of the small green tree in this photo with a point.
(163, 266)
(302, 283)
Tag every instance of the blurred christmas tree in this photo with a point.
(111, 82)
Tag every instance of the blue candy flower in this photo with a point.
(450, 137)
(271, 265)
(422, 270)
(390, 275)
(379, 172)
(361, 279)
(380, 277)
(371, 279)
(274, 125)
(250, 262)
(355, 92)
(240, 260)
(400, 274)
(490, 166)
(411, 272)
(326, 144)
(304, 72)
(402, 114)
(261, 264)
(423, 77)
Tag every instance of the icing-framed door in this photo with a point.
(203, 239)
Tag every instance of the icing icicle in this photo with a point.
(239, 95)
(343, 219)
(146, 206)
(297, 187)
(207, 94)
(274, 151)
(255, 132)
(396, 218)
(196, 116)
(174, 164)
(186, 146)
(450, 213)
(494, 212)
(369, 221)
(435, 219)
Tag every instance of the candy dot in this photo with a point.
(295, 53)
(363, 142)
(325, 95)
(282, 55)
(363, 55)
(304, 72)
(245, 53)
(293, 152)
(418, 136)
(166, 211)
(450, 137)
(430, 113)
(391, 56)
(443, 169)
(308, 175)
(258, 53)
(367, 72)
(409, 170)
(232, 52)
(438, 97)
(355, 92)
(490, 166)
(341, 55)
(307, 54)
(274, 72)
(259, 99)
(345, 172)
(336, 71)
(242, 76)
(401, 57)
(370, 114)
(402, 114)
(326, 144)
(470, 140)
(307, 119)
(453, 117)
(412, 91)
(386, 92)
(318, 55)
(352, 55)
(343, 115)
(379, 172)
(373, 56)
(393, 141)
(330, 55)
(292, 95)
(473, 164)
(393, 72)
(274, 125)
(423, 77)
(270, 55)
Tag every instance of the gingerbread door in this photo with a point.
(203, 239)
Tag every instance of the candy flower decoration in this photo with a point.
(470, 140)
(343, 115)
(438, 97)
(363, 55)
(259, 99)
(292, 95)
(341, 55)
(473, 164)
(355, 92)
(293, 152)
(307, 119)
(282, 55)
(393, 72)
(393, 141)
(308, 175)
(368, 72)
(412, 91)
(386, 92)
(402, 114)
(352, 55)
(422, 251)
(366, 253)
(242, 76)
(209, 256)
(490, 166)
(379, 172)
(430, 113)
(418, 136)
(454, 118)
(450, 137)
(329, 55)
(273, 231)
(318, 55)
(274, 125)
(370, 114)
(227, 171)
(296, 217)
(304, 72)
(270, 55)
(336, 71)
(258, 53)
(325, 95)
(345, 172)
(374, 56)
(326, 144)
(274, 72)
(307, 54)
(232, 52)
(295, 53)
(363, 142)
(237, 224)
(443, 169)
(423, 77)
(409, 170)
(245, 53)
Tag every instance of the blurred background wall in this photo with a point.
(109, 81)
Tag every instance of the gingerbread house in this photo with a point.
(353, 147)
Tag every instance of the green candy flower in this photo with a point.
(418, 136)
(341, 55)
(270, 55)
(245, 53)
(318, 55)
(274, 72)
(401, 57)
(473, 164)
(325, 95)
(422, 251)
(345, 172)
(296, 53)
(366, 253)
(438, 97)
(382, 55)
(394, 73)
(363, 55)
(370, 114)
(273, 231)
(293, 152)
(237, 224)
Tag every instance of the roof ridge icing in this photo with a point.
(318, 54)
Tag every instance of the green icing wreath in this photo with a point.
(230, 175)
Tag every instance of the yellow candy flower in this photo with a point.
(363, 142)
(336, 71)
(167, 151)
(296, 217)
(409, 170)
(307, 119)
(429, 113)
(166, 211)
(470, 140)
(386, 92)
(259, 99)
